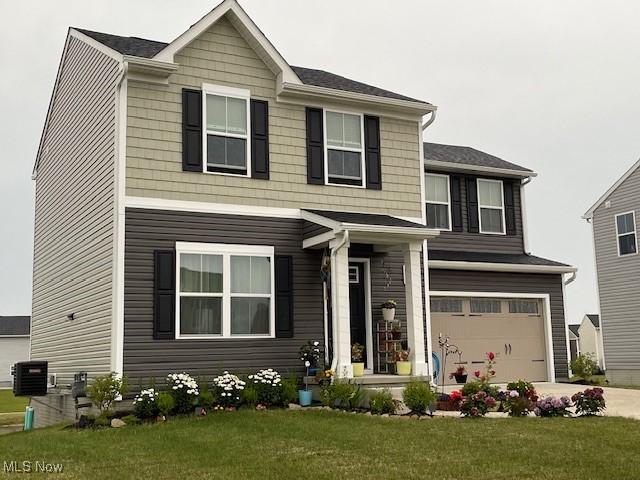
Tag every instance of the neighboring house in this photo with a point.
(574, 341)
(614, 221)
(192, 196)
(590, 335)
(14, 345)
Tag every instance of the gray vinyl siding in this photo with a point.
(74, 218)
(149, 230)
(479, 242)
(618, 282)
(469, 281)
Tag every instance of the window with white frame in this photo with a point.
(491, 206)
(344, 141)
(438, 201)
(226, 135)
(626, 233)
(224, 291)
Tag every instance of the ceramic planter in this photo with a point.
(358, 369)
(403, 368)
(461, 378)
(388, 314)
(304, 397)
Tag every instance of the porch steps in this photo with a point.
(386, 381)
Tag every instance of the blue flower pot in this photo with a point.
(313, 371)
(304, 396)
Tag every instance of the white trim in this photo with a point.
(368, 317)
(363, 180)
(226, 92)
(15, 336)
(462, 167)
(523, 216)
(627, 174)
(491, 207)
(499, 267)
(422, 169)
(427, 307)
(551, 374)
(225, 251)
(618, 234)
(447, 203)
(318, 239)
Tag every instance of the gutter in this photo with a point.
(334, 298)
(500, 267)
(465, 167)
(523, 214)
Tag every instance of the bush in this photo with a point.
(520, 398)
(228, 390)
(268, 386)
(207, 400)
(418, 396)
(102, 420)
(104, 391)
(165, 403)
(131, 420)
(289, 390)
(472, 388)
(145, 404)
(589, 402)
(342, 394)
(381, 402)
(477, 404)
(184, 390)
(584, 366)
(249, 395)
(553, 407)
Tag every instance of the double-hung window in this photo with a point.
(224, 291)
(491, 206)
(438, 201)
(344, 141)
(226, 113)
(626, 233)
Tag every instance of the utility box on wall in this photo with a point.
(30, 379)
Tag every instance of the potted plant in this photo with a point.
(357, 354)
(310, 352)
(396, 332)
(389, 310)
(403, 365)
(460, 374)
(305, 396)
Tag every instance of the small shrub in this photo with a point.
(102, 420)
(584, 366)
(145, 404)
(553, 407)
(249, 395)
(471, 388)
(228, 390)
(382, 402)
(477, 405)
(418, 396)
(165, 403)
(520, 398)
(342, 394)
(289, 390)
(207, 400)
(589, 402)
(131, 420)
(184, 390)
(104, 391)
(268, 386)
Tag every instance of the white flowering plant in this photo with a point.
(228, 389)
(268, 386)
(184, 390)
(145, 405)
(310, 354)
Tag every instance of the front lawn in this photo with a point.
(11, 404)
(326, 444)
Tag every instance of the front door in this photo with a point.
(357, 305)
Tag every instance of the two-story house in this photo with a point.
(202, 205)
(615, 241)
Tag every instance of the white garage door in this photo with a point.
(511, 328)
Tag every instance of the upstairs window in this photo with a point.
(344, 141)
(626, 233)
(438, 201)
(491, 206)
(226, 142)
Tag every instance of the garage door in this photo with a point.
(511, 328)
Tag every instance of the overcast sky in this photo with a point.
(551, 85)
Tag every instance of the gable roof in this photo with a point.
(573, 328)
(594, 318)
(438, 154)
(601, 200)
(15, 326)
(134, 46)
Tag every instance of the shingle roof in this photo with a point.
(141, 47)
(365, 218)
(595, 319)
(467, 156)
(485, 257)
(18, 325)
(574, 329)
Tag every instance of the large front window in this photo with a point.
(491, 206)
(344, 148)
(226, 141)
(224, 291)
(438, 201)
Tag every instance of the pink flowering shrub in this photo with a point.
(589, 402)
(553, 407)
(477, 404)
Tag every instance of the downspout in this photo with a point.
(523, 211)
(334, 298)
(566, 324)
(432, 119)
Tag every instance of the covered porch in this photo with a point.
(367, 260)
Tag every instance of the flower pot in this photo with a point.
(304, 397)
(388, 314)
(403, 368)
(461, 378)
(313, 371)
(358, 369)
(396, 334)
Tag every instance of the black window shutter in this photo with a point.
(284, 296)
(456, 203)
(260, 139)
(472, 205)
(372, 152)
(509, 208)
(164, 294)
(315, 146)
(191, 130)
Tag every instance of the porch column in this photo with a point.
(415, 323)
(340, 303)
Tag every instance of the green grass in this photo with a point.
(11, 404)
(328, 445)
